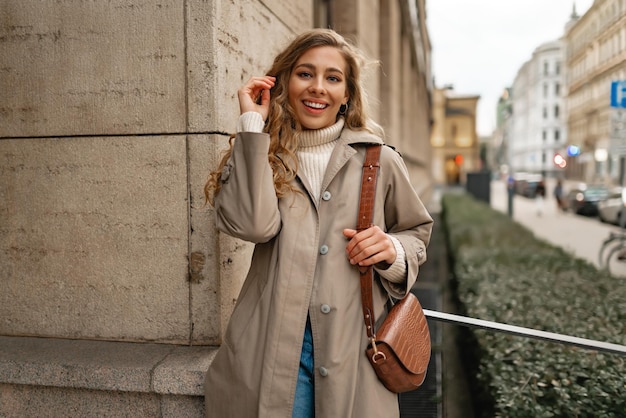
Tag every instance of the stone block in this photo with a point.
(182, 371)
(18, 401)
(88, 67)
(98, 365)
(70, 378)
(205, 268)
(94, 238)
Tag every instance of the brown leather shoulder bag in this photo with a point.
(399, 350)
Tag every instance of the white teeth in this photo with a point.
(315, 105)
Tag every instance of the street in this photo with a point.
(582, 236)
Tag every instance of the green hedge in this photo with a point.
(503, 273)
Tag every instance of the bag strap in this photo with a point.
(366, 220)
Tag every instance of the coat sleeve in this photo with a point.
(246, 205)
(406, 219)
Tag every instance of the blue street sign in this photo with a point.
(618, 93)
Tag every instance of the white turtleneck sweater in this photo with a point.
(314, 151)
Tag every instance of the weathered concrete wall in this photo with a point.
(94, 238)
(76, 67)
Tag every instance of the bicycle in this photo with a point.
(611, 251)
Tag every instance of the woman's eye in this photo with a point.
(334, 79)
(304, 74)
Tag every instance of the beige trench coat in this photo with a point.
(299, 266)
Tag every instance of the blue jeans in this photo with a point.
(304, 402)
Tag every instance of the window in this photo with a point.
(545, 68)
(545, 90)
(557, 89)
(557, 135)
(544, 135)
(558, 67)
(556, 111)
(545, 113)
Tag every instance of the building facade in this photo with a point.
(455, 145)
(596, 56)
(538, 128)
(116, 285)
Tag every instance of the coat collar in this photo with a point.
(344, 150)
(351, 137)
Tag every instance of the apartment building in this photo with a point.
(538, 129)
(595, 58)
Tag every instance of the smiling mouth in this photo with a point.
(315, 105)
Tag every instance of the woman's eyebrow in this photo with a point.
(312, 67)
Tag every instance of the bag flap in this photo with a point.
(405, 331)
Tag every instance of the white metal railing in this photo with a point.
(526, 332)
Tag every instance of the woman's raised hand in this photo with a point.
(254, 96)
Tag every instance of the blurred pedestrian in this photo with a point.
(290, 183)
(540, 195)
(558, 195)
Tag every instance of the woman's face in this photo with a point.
(317, 87)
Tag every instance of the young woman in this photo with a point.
(290, 183)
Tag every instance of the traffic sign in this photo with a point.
(618, 94)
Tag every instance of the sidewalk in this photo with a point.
(579, 235)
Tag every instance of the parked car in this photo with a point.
(526, 184)
(611, 209)
(583, 199)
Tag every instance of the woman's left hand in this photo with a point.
(369, 247)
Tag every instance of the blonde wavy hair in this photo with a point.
(282, 125)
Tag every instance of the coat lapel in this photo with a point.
(344, 150)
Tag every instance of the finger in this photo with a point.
(265, 97)
(355, 237)
(256, 85)
(261, 83)
(386, 255)
(370, 247)
(361, 246)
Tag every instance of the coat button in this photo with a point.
(326, 195)
(324, 249)
(323, 371)
(325, 308)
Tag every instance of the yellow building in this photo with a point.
(455, 145)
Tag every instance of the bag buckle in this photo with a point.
(377, 354)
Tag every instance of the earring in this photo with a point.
(343, 109)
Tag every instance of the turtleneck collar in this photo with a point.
(315, 137)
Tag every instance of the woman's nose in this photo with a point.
(317, 86)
